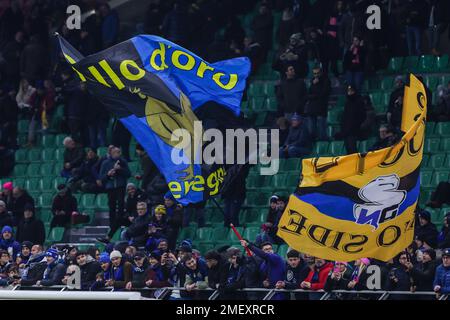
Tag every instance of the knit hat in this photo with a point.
(27, 244)
(139, 254)
(185, 246)
(341, 262)
(446, 252)
(28, 207)
(52, 252)
(431, 253)
(130, 184)
(2, 204)
(424, 214)
(273, 199)
(156, 254)
(7, 229)
(104, 257)
(169, 195)
(160, 209)
(8, 186)
(115, 254)
(365, 261)
(296, 117)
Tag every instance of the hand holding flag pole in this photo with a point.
(249, 253)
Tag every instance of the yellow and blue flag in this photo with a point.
(361, 205)
(154, 87)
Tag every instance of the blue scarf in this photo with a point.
(49, 269)
(117, 273)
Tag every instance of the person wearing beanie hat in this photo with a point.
(8, 186)
(441, 283)
(359, 276)
(104, 258)
(5, 217)
(52, 253)
(121, 271)
(30, 228)
(175, 213)
(55, 271)
(8, 243)
(426, 230)
(423, 273)
(156, 277)
(298, 142)
(140, 271)
(159, 219)
(160, 209)
(338, 279)
(115, 254)
(296, 271)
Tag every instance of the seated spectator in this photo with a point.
(24, 255)
(149, 170)
(136, 233)
(24, 95)
(442, 110)
(292, 96)
(262, 26)
(196, 274)
(5, 217)
(298, 142)
(31, 228)
(175, 212)
(121, 271)
(157, 277)
(387, 138)
(73, 157)
(444, 235)
(89, 268)
(114, 173)
(159, 220)
(232, 277)
(399, 276)
(86, 177)
(140, 271)
(440, 196)
(422, 273)
(273, 266)
(294, 54)
(134, 196)
(215, 265)
(34, 268)
(317, 277)
(94, 252)
(55, 271)
(316, 107)
(282, 124)
(352, 118)
(8, 243)
(338, 279)
(354, 61)
(6, 194)
(441, 284)
(105, 273)
(64, 204)
(20, 199)
(70, 255)
(426, 230)
(129, 253)
(296, 271)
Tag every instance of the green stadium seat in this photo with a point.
(444, 145)
(59, 155)
(46, 216)
(279, 180)
(20, 170)
(134, 167)
(442, 63)
(253, 216)
(337, 148)
(19, 182)
(204, 235)
(48, 155)
(269, 89)
(56, 234)
(340, 102)
(46, 184)
(387, 83)
(321, 148)
(102, 151)
(425, 177)
(187, 233)
(22, 126)
(102, 202)
(257, 104)
(116, 235)
(88, 201)
(256, 90)
(334, 116)
(48, 141)
(231, 236)
(332, 130)
(57, 181)
(410, 63)
(33, 170)
(293, 180)
(21, 156)
(271, 104)
(283, 250)
(32, 184)
(251, 233)
(431, 145)
(431, 82)
(45, 200)
(395, 64)
(442, 129)
(292, 164)
(376, 98)
(425, 160)
(437, 160)
(220, 233)
(59, 138)
(427, 63)
(260, 119)
(439, 176)
(34, 155)
(47, 169)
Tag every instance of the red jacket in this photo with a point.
(323, 274)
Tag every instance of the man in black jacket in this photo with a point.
(20, 199)
(64, 203)
(426, 230)
(296, 271)
(354, 115)
(134, 196)
(298, 142)
(136, 233)
(89, 268)
(5, 217)
(55, 270)
(292, 94)
(149, 170)
(423, 273)
(30, 228)
(316, 107)
(35, 267)
(233, 276)
(215, 268)
(73, 157)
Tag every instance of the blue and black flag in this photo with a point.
(155, 87)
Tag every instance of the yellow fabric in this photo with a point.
(328, 237)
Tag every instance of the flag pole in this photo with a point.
(249, 253)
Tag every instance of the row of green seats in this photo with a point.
(436, 161)
(431, 178)
(425, 63)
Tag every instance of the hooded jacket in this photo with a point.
(89, 272)
(10, 245)
(32, 230)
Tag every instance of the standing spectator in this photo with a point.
(352, 23)
(140, 271)
(215, 266)
(25, 253)
(11, 53)
(55, 271)
(5, 217)
(317, 277)
(156, 190)
(298, 142)
(157, 276)
(415, 24)
(96, 119)
(441, 282)
(175, 212)
(436, 23)
(8, 243)
(399, 276)
(149, 170)
(110, 26)
(89, 268)
(422, 274)
(282, 124)
(354, 61)
(7, 194)
(292, 95)
(196, 274)
(63, 205)
(352, 118)
(26, 91)
(34, 60)
(121, 271)
(232, 276)
(273, 266)
(294, 54)
(338, 279)
(8, 121)
(30, 228)
(254, 51)
(262, 26)
(287, 26)
(394, 112)
(333, 50)
(296, 271)
(426, 230)
(176, 26)
(234, 197)
(441, 111)
(359, 276)
(114, 173)
(20, 199)
(73, 157)
(316, 107)
(75, 98)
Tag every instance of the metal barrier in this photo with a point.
(163, 293)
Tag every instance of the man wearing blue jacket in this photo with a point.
(274, 267)
(8, 243)
(55, 270)
(114, 173)
(442, 278)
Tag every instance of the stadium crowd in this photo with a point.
(33, 80)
